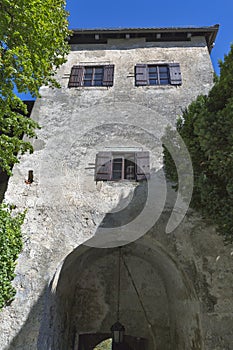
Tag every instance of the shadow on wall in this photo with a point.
(158, 301)
(27, 337)
(3, 175)
(81, 299)
(3, 184)
(43, 314)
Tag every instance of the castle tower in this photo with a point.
(106, 239)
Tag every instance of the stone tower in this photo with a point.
(105, 237)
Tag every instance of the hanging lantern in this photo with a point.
(118, 331)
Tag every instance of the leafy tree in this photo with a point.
(10, 246)
(32, 46)
(207, 129)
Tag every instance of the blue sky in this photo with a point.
(152, 13)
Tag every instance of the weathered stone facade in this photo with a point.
(67, 284)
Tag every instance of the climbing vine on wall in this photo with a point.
(10, 247)
(206, 127)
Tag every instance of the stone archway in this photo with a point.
(85, 298)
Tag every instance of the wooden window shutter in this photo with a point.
(142, 160)
(175, 74)
(108, 75)
(141, 74)
(103, 166)
(76, 76)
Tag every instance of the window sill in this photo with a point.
(163, 87)
(90, 88)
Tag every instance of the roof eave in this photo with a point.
(209, 32)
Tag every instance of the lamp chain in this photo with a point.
(140, 301)
(119, 284)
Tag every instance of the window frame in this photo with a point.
(79, 75)
(93, 75)
(158, 74)
(125, 159)
(139, 161)
(144, 76)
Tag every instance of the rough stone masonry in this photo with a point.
(176, 288)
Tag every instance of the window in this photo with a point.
(123, 167)
(157, 74)
(91, 76)
(116, 166)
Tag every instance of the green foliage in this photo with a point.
(104, 345)
(10, 247)
(33, 45)
(207, 130)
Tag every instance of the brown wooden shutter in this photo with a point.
(141, 74)
(142, 160)
(108, 75)
(76, 76)
(175, 74)
(103, 166)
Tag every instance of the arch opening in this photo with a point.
(157, 303)
(104, 345)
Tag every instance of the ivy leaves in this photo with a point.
(10, 247)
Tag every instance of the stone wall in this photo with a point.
(64, 287)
